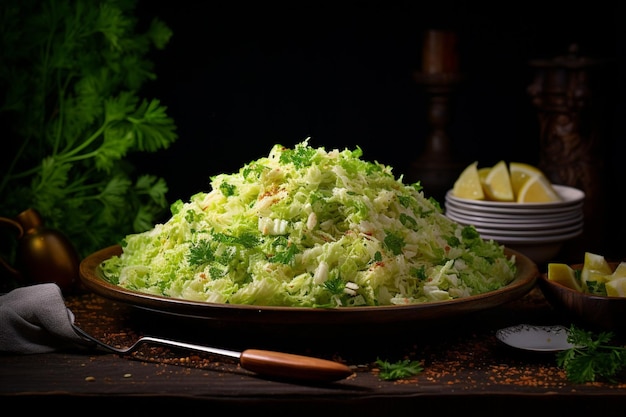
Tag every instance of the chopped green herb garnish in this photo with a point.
(398, 370)
(335, 286)
(394, 243)
(201, 253)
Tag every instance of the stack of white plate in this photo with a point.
(537, 230)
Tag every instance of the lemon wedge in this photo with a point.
(600, 276)
(497, 183)
(537, 189)
(620, 271)
(616, 287)
(482, 175)
(564, 275)
(595, 268)
(520, 173)
(595, 264)
(616, 282)
(468, 184)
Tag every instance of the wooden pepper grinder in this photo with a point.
(43, 255)
(569, 109)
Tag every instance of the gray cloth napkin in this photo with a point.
(35, 319)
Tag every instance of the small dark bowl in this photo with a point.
(595, 312)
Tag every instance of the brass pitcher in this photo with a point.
(43, 254)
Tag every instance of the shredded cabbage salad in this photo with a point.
(304, 227)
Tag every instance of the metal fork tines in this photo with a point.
(158, 341)
(265, 362)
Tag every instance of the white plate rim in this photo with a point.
(518, 216)
(540, 232)
(530, 234)
(513, 208)
(515, 225)
(550, 338)
(504, 240)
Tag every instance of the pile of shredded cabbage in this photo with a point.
(305, 227)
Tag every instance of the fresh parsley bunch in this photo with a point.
(71, 72)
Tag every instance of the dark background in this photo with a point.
(239, 77)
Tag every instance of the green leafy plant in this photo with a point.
(391, 371)
(592, 356)
(71, 73)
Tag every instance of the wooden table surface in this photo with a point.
(465, 367)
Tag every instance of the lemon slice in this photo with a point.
(537, 189)
(468, 184)
(616, 287)
(520, 172)
(564, 275)
(497, 184)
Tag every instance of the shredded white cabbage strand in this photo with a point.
(305, 227)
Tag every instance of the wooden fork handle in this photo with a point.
(290, 366)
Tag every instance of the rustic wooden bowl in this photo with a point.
(251, 315)
(592, 311)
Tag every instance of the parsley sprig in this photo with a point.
(592, 356)
(391, 371)
(71, 74)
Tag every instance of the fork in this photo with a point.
(262, 362)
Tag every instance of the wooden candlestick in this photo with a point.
(439, 54)
(436, 168)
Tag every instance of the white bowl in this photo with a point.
(540, 249)
(540, 253)
(537, 230)
(570, 196)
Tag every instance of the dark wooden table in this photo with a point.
(466, 369)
